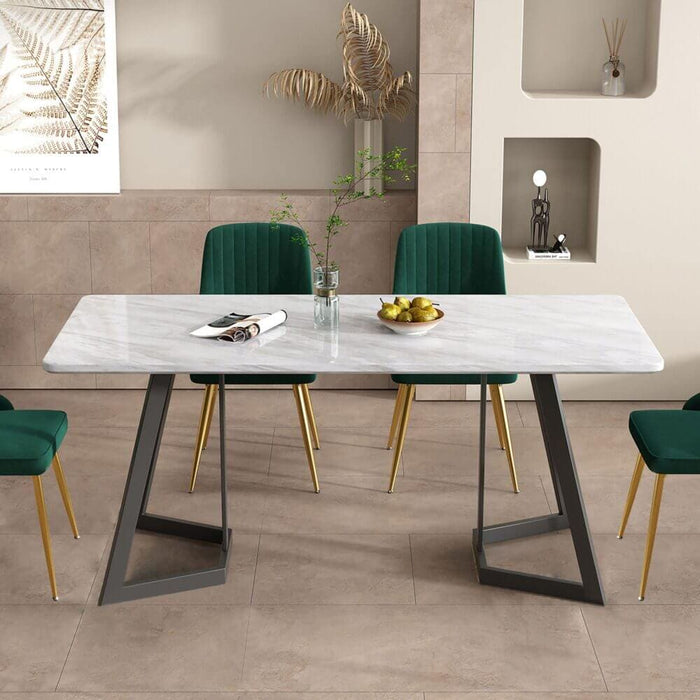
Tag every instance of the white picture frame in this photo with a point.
(59, 122)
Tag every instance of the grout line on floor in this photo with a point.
(413, 574)
(255, 569)
(595, 652)
(70, 648)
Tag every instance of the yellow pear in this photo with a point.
(431, 312)
(405, 317)
(404, 303)
(390, 312)
(421, 303)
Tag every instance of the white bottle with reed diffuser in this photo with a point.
(614, 69)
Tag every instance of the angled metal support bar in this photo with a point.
(572, 513)
(133, 515)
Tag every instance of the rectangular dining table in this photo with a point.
(541, 336)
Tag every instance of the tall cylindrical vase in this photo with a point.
(326, 302)
(369, 137)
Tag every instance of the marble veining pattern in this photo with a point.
(480, 334)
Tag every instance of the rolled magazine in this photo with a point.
(237, 328)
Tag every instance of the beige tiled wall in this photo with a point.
(444, 124)
(53, 250)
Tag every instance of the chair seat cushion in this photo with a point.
(255, 378)
(29, 440)
(669, 441)
(452, 378)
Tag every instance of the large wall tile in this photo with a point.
(437, 113)
(44, 258)
(394, 206)
(362, 252)
(237, 206)
(446, 32)
(13, 208)
(130, 205)
(35, 377)
(51, 311)
(445, 176)
(17, 334)
(121, 258)
(176, 256)
(463, 116)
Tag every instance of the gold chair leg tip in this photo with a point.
(516, 490)
(390, 491)
(641, 597)
(619, 537)
(55, 598)
(76, 537)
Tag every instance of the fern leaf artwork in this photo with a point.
(369, 90)
(52, 62)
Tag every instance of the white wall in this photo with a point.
(648, 242)
(192, 114)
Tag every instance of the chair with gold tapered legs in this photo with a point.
(307, 422)
(449, 258)
(399, 423)
(669, 443)
(29, 442)
(260, 259)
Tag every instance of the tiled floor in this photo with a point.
(351, 594)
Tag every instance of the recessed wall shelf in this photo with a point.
(564, 47)
(573, 174)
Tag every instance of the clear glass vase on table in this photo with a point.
(326, 301)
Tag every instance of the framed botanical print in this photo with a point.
(58, 97)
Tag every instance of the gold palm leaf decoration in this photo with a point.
(369, 91)
(58, 50)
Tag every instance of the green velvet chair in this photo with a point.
(256, 258)
(668, 443)
(29, 442)
(448, 258)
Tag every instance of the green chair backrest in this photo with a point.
(449, 258)
(256, 258)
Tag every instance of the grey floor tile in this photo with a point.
(562, 696)
(362, 505)
(647, 647)
(34, 643)
(157, 648)
(158, 555)
(324, 569)
(24, 576)
(368, 648)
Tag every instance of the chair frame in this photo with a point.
(44, 520)
(307, 422)
(653, 517)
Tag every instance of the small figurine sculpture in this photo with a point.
(539, 222)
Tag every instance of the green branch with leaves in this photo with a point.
(391, 167)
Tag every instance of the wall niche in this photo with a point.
(573, 174)
(564, 46)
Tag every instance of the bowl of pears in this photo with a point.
(410, 317)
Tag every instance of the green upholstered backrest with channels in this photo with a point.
(256, 258)
(449, 258)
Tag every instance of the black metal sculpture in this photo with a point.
(539, 222)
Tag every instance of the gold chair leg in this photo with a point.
(651, 533)
(310, 414)
(210, 393)
(631, 494)
(210, 414)
(403, 425)
(306, 433)
(65, 495)
(499, 410)
(398, 405)
(45, 536)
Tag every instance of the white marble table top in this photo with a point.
(480, 334)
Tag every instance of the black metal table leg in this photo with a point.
(572, 513)
(133, 515)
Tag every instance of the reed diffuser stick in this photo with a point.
(614, 35)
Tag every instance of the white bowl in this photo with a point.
(414, 327)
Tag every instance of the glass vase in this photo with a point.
(326, 302)
(613, 77)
